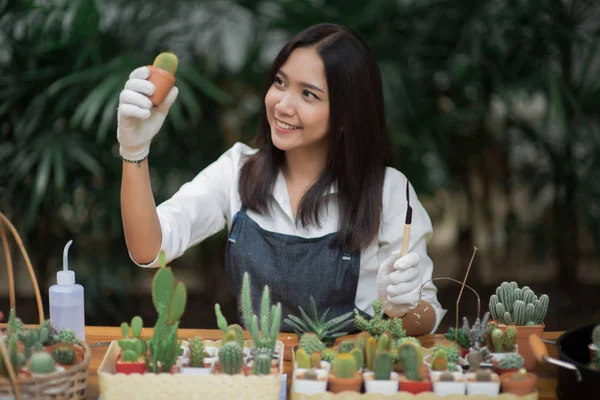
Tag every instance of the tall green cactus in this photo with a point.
(511, 305)
(302, 359)
(265, 334)
(410, 357)
(384, 364)
(169, 299)
(196, 349)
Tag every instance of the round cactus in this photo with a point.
(231, 357)
(64, 355)
(262, 365)
(42, 363)
(65, 336)
(310, 343)
(346, 346)
(344, 366)
(511, 361)
(196, 347)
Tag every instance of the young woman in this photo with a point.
(313, 209)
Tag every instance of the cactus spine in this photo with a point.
(231, 357)
(344, 366)
(196, 347)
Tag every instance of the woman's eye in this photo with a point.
(309, 94)
(278, 81)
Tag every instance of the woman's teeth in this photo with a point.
(286, 126)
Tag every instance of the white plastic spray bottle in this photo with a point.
(67, 308)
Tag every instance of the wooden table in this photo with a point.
(547, 374)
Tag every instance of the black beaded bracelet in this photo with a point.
(134, 161)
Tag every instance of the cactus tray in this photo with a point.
(150, 386)
(399, 395)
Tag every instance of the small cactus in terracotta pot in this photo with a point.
(344, 375)
(162, 75)
(519, 382)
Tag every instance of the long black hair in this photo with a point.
(359, 147)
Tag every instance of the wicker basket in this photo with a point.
(68, 384)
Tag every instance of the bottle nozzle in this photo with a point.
(66, 277)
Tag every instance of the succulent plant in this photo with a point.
(302, 358)
(196, 348)
(411, 359)
(169, 298)
(511, 361)
(344, 366)
(439, 360)
(459, 336)
(477, 332)
(346, 346)
(65, 336)
(483, 375)
(511, 305)
(231, 357)
(502, 341)
(311, 343)
(328, 354)
(262, 365)
(446, 377)
(270, 317)
(64, 354)
(166, 61)
(358, 357)
(41, 363)
(326, 330)
(371, 351)
(133, 347)
(222, 324)
(383, 366)
(377, 325)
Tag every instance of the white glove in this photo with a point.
(138, 120)
(399, 283)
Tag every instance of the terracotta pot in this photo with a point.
(523, 333)
(415, 387)
(163, 81)
(519, 387)
(338, 385)
(129, 367)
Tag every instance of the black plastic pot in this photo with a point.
(573, 348)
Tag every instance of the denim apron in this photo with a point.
(293, 267)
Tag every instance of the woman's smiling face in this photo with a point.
(297, 103)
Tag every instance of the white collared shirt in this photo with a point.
(203, 206)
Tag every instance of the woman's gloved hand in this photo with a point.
(138, 120)
(399, 283)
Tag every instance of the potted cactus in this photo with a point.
(519, 382)
(483, 381)
(193, 361)
(414, 379)
(382, 379)
(512, 362)
(502, 342)
(521, 307)
(449, 383)
(444, 360)
(231, 358)
(162, 75)
(326, 330)
(132, 358)
(344, 375)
